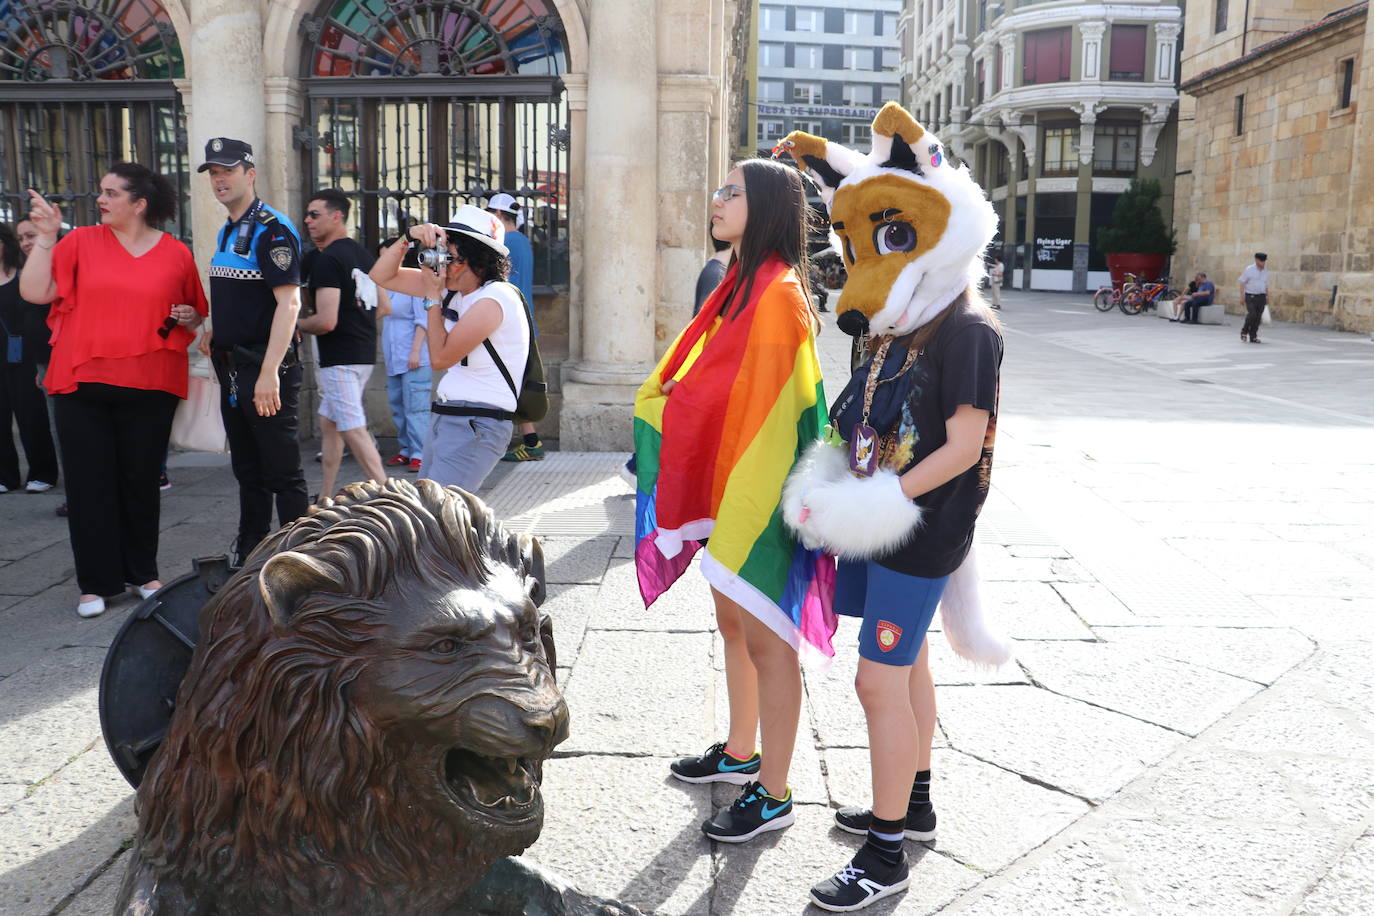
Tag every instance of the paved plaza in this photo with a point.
(1180, 538)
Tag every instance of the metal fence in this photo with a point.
(60, 144)
(415, 150)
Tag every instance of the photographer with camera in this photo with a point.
(478, 333)
(254, 299)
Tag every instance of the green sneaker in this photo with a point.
(523, 452)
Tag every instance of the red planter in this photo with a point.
(1144, 266)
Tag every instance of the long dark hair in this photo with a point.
(777, 225)
(11, 255)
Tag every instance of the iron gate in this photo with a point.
(83, 84)
(418, 156)
(419, 106)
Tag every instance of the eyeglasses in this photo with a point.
(727, 193)
(167, 327)
(313, 214)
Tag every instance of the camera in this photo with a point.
(436, 259)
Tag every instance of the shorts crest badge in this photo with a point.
(281, 257)
(889, 634)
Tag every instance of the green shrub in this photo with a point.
(1137, 226)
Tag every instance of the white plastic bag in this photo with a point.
(197, 425)
(1264, 318)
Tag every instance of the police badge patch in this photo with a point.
(281, 257)
(216, 145)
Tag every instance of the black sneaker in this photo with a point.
(864, 880)
(856, 820)
(716, 766)
(754, 812)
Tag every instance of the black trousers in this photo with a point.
(23, 403)
(265, 451)
(113, 442)
(1254, 311)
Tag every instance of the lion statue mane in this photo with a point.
(364, 722)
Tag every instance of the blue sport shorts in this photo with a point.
(896, 608)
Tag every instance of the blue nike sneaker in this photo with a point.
(716, 766)
(754, 812)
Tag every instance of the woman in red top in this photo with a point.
(125, 297)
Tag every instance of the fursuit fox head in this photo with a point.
(912, 227)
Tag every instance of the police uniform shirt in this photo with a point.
(241, 285)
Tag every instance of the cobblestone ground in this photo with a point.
(1181, 539)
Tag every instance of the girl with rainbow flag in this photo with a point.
(718, 425)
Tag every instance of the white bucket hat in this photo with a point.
(478, 224)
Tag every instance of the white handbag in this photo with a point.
(197, 425)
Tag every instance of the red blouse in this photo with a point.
(109, 308)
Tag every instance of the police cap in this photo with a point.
(227, 152)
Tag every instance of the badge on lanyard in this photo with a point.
(864, 441)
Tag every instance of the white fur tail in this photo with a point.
(961, 616)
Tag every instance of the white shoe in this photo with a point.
(38, 486)
(91, 608)
(146, 592)
(3, 488)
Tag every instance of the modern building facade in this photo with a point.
(1055, 106)
(609, 130)
(1275, 155)
(825, 67)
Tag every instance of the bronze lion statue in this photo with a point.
(364, 723)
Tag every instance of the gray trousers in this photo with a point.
(461, 451)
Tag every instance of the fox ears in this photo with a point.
(899, 142)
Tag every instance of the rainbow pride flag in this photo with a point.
(712, 458)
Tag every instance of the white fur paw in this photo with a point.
(856, 518)
(819, 465)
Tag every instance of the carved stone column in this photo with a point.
(225, 101)
(1166, 41)
(620, 270)
(1008, 45)
(1092, 33)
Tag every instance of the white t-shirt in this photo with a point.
(1254, 279)
(480, 381)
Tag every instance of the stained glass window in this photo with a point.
(42, 40)
(436, 37)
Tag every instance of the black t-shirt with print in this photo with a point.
(353, 342)
(960, 365)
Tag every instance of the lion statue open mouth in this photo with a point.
(365, 719)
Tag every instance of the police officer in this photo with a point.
(254, 300)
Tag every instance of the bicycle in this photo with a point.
(1147, 296)
(1109, 297)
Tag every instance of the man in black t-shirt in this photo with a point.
(347, 333)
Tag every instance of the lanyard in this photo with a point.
(863, 443)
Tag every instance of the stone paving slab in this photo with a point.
(623, 828)
(572, 561)
(1262, 655)
(1289, 789)
(775, 874)
(986, 837)
(1172, 694)
(622, 703)
(1078, 748)
(48, 714)
(1348, 888)
(62, 834)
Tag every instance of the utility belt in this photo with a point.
(453, 410)
(250, 357)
